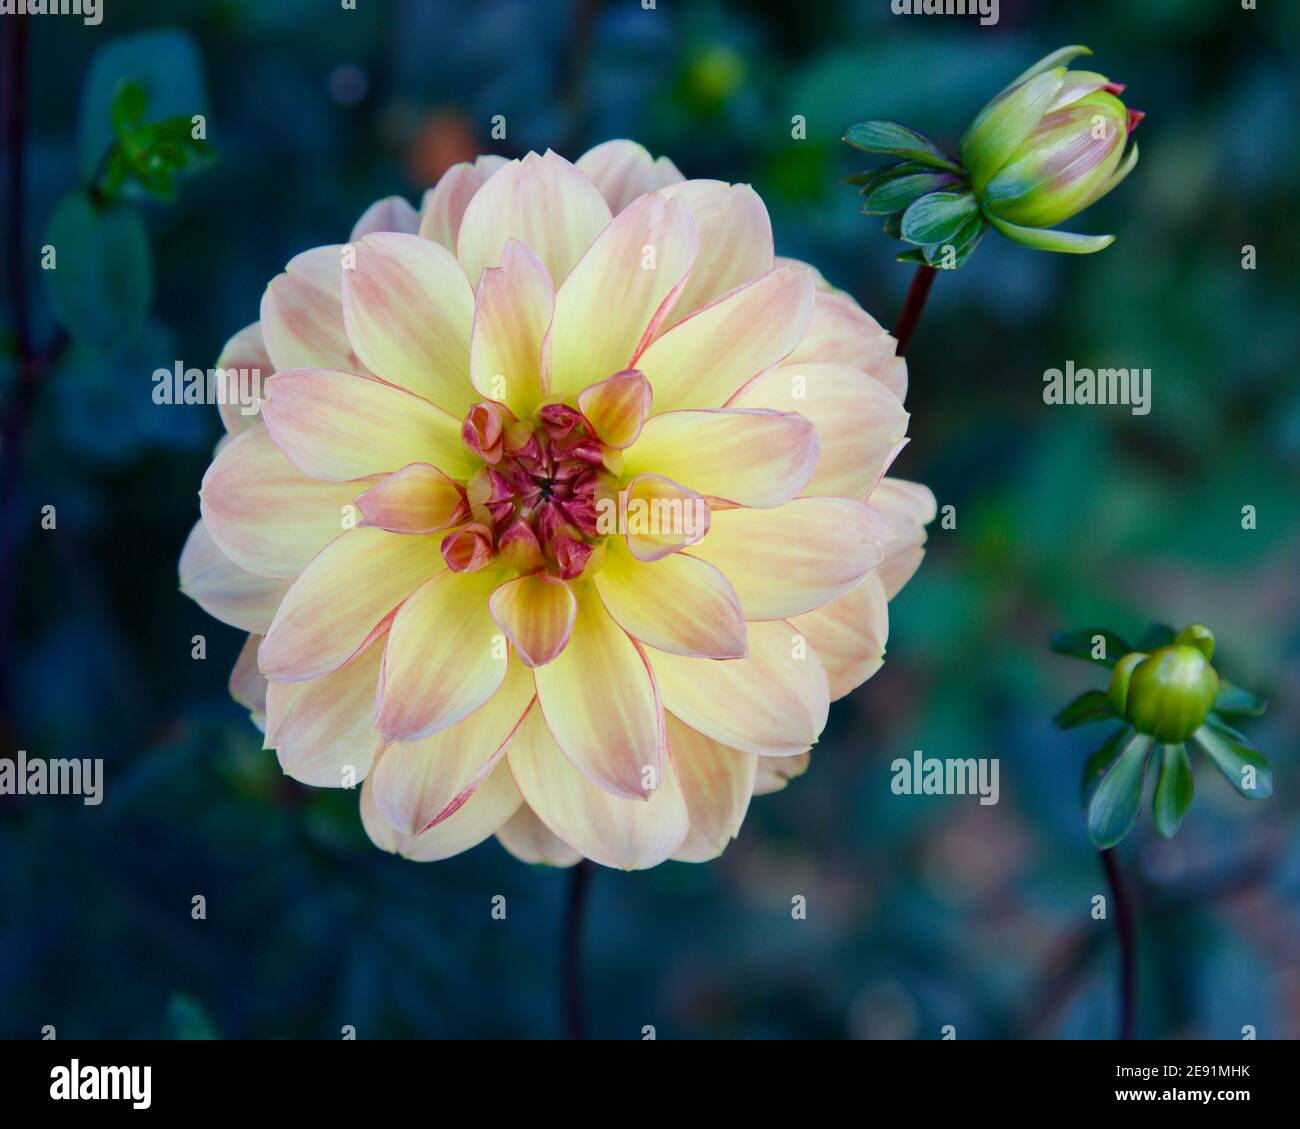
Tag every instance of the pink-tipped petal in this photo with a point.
(617, 407)
(600, 702)
(264, 513)
(443, 659)
(910, 507)
(408, 309)
(343, 599)
(302, 314)
(735, 240)
(222, 589)
(536, 612)
(656, 515)
(247, 684)
(421, 783)
(321, 730)
(531, 841)
(860, 423)
(624, 170)
(636, 266)
(247, 365)
(717, 784)
(751, 458)
(337, 426)
(543, 202)
(797, 557)
(392, 213)
(772, 702)
(774, 773)
(676, 604)
(628, 834)
(843, 333)
(513, 308)
(419, 498)
(849, 635)
(444, 205)
(704, 359)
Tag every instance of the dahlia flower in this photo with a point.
(564, 518)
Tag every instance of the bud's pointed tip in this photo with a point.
(1135, 116)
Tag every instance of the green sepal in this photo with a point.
(912, 255)
(1062, 57)
(1173, 789)
(1090, 706)
(894, 193)
(1234, 700)
(1049, 239)
(1078, 645)
(893, 225)
(963, 243)
(937, 217)
(1115, 803)
(869, 178)
(898, 140)
(1099, 763)
(1230, 754)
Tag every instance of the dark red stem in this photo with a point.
(917, 293)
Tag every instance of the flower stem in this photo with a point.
(914, 303)
(575, 1011)
(1127, 930)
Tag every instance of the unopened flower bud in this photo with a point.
(1168, 693)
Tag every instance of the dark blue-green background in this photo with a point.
(922, 912)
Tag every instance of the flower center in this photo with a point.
(535, 499)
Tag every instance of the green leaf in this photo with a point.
(129, 101)
(1173, 789)
(899, 141)
(1080, 645)
(102, 281)
(1048, 239)
(1115, 803)
(1234, 700)
(893, 194)
(164, 63)
(1091, 705)
(938, 217)
(1233, 757)
(1099, 763)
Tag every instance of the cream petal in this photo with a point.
(531, 841)
(909, 506)
(322, 731)
(344, 599)
(443, 659)
(512, 314)
(788, 560)
(750, 458)
(408, 309)
(619, 292)
(419, 498)
(245, 354)
(704, 359)
(248, 684)
(542, 201)
(841, 332)
(860, 423)
(628, 834)
(492, 804)
(536, 612)
(392, 213)
(338, 426)
(444, 205)
(222, 589)
(600, 702)
(418, 784)
(676, 604)
(772, 702)
(624, 170)
(302, 314)
(717, 783)
(735, 240)
(849, 635)
(264, 513)
(774, 773)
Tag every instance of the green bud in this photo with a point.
(1045, 148)
(1168, 693)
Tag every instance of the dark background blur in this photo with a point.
(922, 911)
